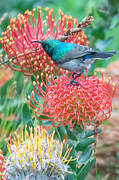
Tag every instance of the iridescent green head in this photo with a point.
(48, 45)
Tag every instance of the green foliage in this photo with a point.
(26, 115)
(92, 133)
(85, 156)
(83, 171)
(82, 143)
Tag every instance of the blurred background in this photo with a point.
(103, 34)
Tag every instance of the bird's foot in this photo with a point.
(73, 82)
(73, 75)
(77, 75)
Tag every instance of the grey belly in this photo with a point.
(76, 65)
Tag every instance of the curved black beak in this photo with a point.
(36, 41)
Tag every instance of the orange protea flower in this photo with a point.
(3, 171)
(37, 156)
(115, 80)
(63, 104)
(111, 74)
(27, 57)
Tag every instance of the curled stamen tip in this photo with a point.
(32, 92)
(39, 7)
(46, 8)
(52, 68)
(34, 83)
(34, 9)
(41, 74)
(59, 11)
(37, 77)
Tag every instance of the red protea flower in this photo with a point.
(27, 57)
(3, 171)
(63, 104)
(111, 74)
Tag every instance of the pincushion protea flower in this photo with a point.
(3, 171)
(16, 41)
(63, 104)
(38, 156)
(111, 74)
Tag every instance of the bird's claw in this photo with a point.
(73, 75)
(74, 83)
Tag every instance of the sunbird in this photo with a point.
(72, 57)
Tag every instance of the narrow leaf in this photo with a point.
(62, 132)
(86, 168)
(92, 132)
(83, 143)
(26, 115)
(85, 156)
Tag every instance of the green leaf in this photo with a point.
(71, 135)
(57, 134)
(85, 156)
(102, 13)
(85, 169)
(70, 177)
(3, 91)
(19, 83)
(84, 142)
(92, 133)
(99, 32)
(62, 132)
(73, 163)
(115, 21)
(46, 123)
(26, 115)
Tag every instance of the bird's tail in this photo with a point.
(103, 54)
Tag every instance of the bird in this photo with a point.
(72, 57)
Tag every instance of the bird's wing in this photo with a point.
(77, 52)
